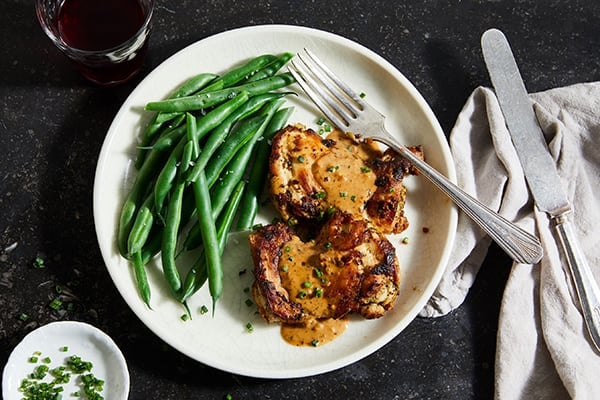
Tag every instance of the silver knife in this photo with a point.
(540, 170)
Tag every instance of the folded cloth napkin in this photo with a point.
(543, 348)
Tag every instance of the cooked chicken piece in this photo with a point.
(386, 206)
(311, 176)
(349, 267)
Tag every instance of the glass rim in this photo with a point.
(62, 45)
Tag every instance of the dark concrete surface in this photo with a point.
(52, 125)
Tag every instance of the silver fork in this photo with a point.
(350, 113)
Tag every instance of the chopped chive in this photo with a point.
(249, 327)
(38, 263)
(249, 302)
(325, 128)
(56, 304)
(203, 310)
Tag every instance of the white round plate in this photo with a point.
(222, 341)
(81, 339)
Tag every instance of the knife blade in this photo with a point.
(540, 169)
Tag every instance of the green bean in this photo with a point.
(175, 155)
(165, 179)
(152, 247)
(271, 68)
(231, 172)
(170, 120)
(141, 278)
(214, 265)
(194, 84)
(207, 99)
(249, 68)
(141, 227)
(168, 140)
(186, 157)
(189, 87)
(195, 278)
(219, 134)
(156, 125)
(192, 127)
(197, 274)
(164, 141)
(169, 237)
(215, 117)
(235, 170)
(238, 137)
(227, 216)
(134, 197)
(258, 170)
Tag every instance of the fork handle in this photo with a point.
(519, 244)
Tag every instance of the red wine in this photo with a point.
(92, 25)
(99, 25)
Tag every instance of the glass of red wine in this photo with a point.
(107, 39)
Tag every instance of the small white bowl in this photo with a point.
(80, 339)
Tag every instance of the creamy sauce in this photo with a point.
(346, 179)
(347, 183)
(305, 284)
(314, 332)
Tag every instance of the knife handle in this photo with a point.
(585, 286)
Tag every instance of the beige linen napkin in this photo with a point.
(543, 350)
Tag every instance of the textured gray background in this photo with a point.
(52, 124)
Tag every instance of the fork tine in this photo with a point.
(335, 79)
(333, 84)
(336, 115)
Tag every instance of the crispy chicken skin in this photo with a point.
(386, 207)
(358, 272)
(294, 187)
(272, 298)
